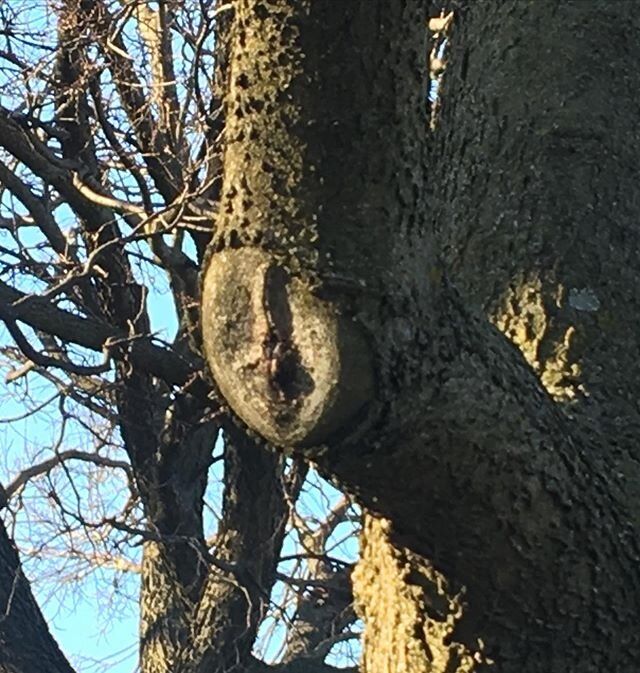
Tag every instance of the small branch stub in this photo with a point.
(289, 365)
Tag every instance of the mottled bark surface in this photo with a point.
(313, 166)
(537, 201)
(455, 440)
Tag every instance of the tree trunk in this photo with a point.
(355, 350)
(347, 307)
(544, 239)
(26, 645)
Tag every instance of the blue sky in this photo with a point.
(95, 617)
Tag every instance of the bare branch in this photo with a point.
(41, 215)
(95, 334)
(46, 466)
(164, 167)
(43, 360)
(155, 26)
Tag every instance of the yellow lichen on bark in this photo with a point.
(408, 610)
(528, 316)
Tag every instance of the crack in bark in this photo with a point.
(288, 377)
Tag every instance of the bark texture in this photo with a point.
(318, 157)
(451, 434)
(347, 302)
(552, 253)
(409, 609)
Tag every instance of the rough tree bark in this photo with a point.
(24, 635)
(356, 351)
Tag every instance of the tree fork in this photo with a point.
(330, 329)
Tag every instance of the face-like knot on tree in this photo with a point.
(286, 374)
(286, 361)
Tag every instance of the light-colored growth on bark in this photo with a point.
(291, 367)
(409, 611)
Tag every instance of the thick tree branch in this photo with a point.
(35, 155)
(41, 215)
(97, 335)
(250, 538)
(43, 360)
(26, 645)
